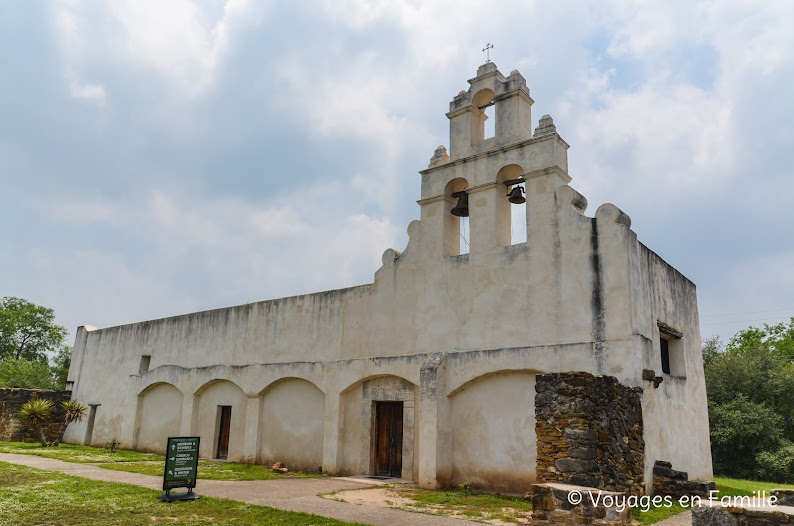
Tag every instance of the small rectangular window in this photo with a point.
(672, 350)
(145, 360)
(665, 355)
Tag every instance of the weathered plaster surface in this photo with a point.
(491, 447)
(159, 415)
(580, 294)
(292, 425)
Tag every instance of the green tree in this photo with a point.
(26, 374)
(750, 384)
(777, 465)
(740, 431)
(777, 339)
(712, 348)
(28, 331)
(60, 367)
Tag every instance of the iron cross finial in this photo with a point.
(487, 50)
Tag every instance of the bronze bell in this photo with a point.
(462, 208)
(516, 195)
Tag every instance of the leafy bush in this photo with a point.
(113, 445)
(740, 430)
(777, 466)
(26, 374)
(750, 384)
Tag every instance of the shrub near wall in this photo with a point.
(11, 399)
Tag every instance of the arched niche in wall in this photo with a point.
(359, 408)
(292, 424)
(220, 410)
(494, 446)
(159, 415)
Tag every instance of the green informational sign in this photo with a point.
(181, 463)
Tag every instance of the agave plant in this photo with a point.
(73, 411)
(36, 412)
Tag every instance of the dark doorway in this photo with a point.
(389, 439)
(223, 431)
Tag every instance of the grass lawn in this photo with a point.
(32, 496)
(79, 454)
(483, 505)
(473, 504)
(146, 463)
(736, 487)
(211, 470)
(725, 486)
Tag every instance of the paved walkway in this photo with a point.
(287, 494)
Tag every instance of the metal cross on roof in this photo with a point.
(487, 50)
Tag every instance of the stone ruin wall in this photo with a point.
(11, 399)
(668, 481)
(590, 432)
(551, 506)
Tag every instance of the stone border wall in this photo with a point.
(552, 505)
(11, 399)
(589, 431)
(785, 497)
(713, 514)
(668, 481)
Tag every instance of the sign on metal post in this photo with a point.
(181, 468)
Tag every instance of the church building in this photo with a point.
(440, 370)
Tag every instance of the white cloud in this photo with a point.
(85, 91)
(288, 248)
(183, 41)
(179, 39)
(659, 134)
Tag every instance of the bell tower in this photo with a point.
(513, 112)
(479, 177)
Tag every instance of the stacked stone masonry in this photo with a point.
(668, 481)
(552, 504)
(11, 400)
(785, 497)
(713, 514)
(589, 431)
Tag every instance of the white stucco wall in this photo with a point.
(159, 417)
(677, 410)
(351, 436)
(490, 440)
(293, 416)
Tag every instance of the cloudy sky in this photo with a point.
(160, 157)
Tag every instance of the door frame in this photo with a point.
(219, 430)
(375, 435)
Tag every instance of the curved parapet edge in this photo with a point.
(389, 256)
(609, 213)
(568, 196)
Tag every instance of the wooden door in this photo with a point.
(389, 439)
(223, 431)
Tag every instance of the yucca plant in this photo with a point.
(36, 412)
(73, 411)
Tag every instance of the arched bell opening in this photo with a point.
(514, 203)
(456, 218)
(483, 116)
